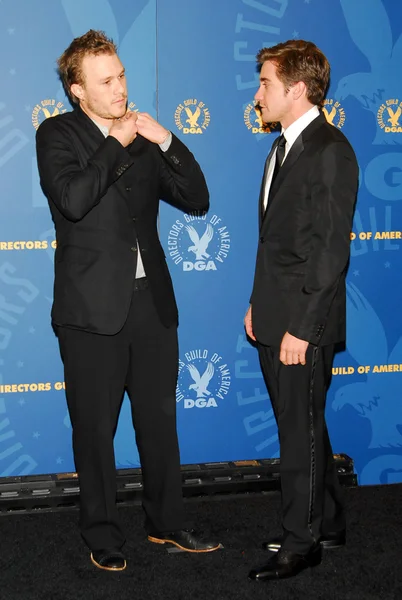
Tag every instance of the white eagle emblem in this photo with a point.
(201, 383)
(200, 245)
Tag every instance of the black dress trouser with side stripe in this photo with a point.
(312, 503)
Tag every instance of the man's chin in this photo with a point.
(119, 111)
(266, 117)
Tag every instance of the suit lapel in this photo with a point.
(292, 157)
(293, 154)
(95, 138)
(90, 127)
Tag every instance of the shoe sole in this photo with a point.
(332, 545)
(324, 546)
(107, 568)
(159, 541)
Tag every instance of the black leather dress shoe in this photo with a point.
(111, 559)
(329, 540)
(286, 564)
(185, 539)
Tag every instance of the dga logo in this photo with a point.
(334, 113)
(389, 116)
(198, 243)
(46, 109)
(253, 120)
(192, 116)
(202, 379)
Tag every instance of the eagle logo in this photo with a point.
(394, 116)
(390, 112)
(200, 245)
(329, 115)
(334, 113)
(201, 383)
(199, 371)
(192, 116)
(253, 120)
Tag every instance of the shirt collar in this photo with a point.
(295, 129)
(103, 128)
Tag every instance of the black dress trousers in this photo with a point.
(142, 358)
(312, 503)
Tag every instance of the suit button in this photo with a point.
(134, 219)
(134, 248)
(261, 240)
(128, 189)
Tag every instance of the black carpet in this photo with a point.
(43, 558)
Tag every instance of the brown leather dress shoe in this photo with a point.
(286, 564)
(184, 539)
(110, 559)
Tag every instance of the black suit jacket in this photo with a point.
(103, 198)
(304, 244)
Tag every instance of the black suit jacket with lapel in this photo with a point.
(304, 243)
(103, 199)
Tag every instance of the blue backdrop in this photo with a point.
(192, 64)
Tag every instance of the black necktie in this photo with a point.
(279, 144)
(280, 155)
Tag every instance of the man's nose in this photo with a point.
(120, 87)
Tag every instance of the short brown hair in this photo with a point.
(298, 60)
(70, 62)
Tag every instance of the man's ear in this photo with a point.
(78, 91)
(298, 90)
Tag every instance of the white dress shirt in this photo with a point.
(140, 272)
(290, 134)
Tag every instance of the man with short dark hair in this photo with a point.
(103, 170)
(298, 303)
